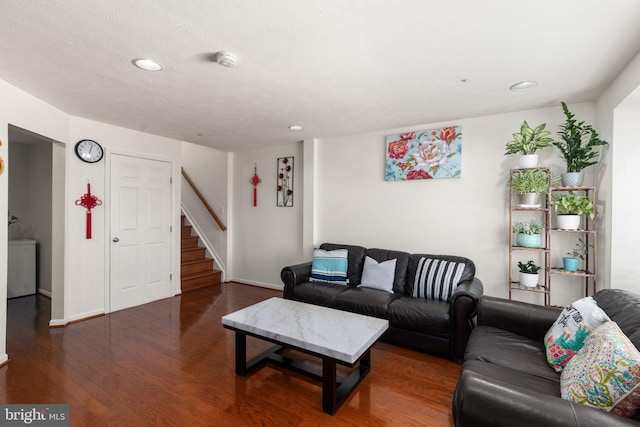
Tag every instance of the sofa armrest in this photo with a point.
(480, 401)
(294, 274)
(464, 305)
(529, 320)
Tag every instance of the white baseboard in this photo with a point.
(260, 284)
(44, 292)
(55, 323)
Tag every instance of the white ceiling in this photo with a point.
(336, 67)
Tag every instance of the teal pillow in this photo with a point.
(330, 266)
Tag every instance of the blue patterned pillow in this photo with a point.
(330, 266)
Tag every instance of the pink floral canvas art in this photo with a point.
(426, 154)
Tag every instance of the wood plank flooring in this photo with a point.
(171, 363)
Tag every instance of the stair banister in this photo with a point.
(204, 202)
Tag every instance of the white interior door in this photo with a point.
(140, 231)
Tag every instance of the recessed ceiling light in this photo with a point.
(527, 84)
(295, 127)
(226, 59)
(147, 64)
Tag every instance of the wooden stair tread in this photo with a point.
(201, 274)
(196, 261)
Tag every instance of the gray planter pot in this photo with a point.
(530, 199)
(572, 179)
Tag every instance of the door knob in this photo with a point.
(116, 240)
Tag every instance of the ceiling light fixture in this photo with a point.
(527, 84)
(147, 64)
(295, 127)
(226, 59)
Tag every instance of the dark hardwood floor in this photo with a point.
(171, 363)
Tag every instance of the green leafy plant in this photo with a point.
(581, 250)
(532, 227)
(578, 142)
(573, 204)
(528, 140)
(530, 267)
(531, 181)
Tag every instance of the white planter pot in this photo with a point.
(529, 280)
(528, 161)
(568, 222)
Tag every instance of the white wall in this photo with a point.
(208, 169)
(265, 237)
(27, 112)
(617, 122)
(30, 197)
(352, 203)
(467, 216)
(87, 270)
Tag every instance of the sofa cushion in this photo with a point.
(605, 373)
(508, 349)
(567, 334)
(355, 260)
(317, 293)
(378, 275)
(421, 315)
(468, 273)
(329, 266)
(400, 278)
(370, 302)
(436, 278)
(623, 307)
(512, 377)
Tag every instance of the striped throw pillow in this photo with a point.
(437, 278)
(329, 266)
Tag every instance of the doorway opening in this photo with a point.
(36, 179)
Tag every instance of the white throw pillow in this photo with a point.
(377, 275)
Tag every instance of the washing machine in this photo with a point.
(21, 274)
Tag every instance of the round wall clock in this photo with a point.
(89, 151)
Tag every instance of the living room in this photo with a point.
(340, 193)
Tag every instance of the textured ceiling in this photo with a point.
(336, 67)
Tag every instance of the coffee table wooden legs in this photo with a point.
(335, 390)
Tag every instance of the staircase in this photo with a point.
(196, 270)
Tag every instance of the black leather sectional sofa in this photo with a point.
(429, 325)
(505, 379)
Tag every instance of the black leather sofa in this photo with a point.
(505, 379)
(427, 325)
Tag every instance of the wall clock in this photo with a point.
(89, 151)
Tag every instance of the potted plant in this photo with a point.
(579, 252)
(527, 142)
(529, 234)
(570, 207)
(577, 145)
(528, 274)
(529, 184)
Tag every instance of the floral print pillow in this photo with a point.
(605, 374)
(567, 335)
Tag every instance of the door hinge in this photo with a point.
(170, 180)
(170, 277)
(171, 229)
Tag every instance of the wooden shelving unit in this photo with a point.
(588, 233)
(516, 214)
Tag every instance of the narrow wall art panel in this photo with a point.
(284, 193)
(425, 154)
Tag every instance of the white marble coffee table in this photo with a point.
(335, 336)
